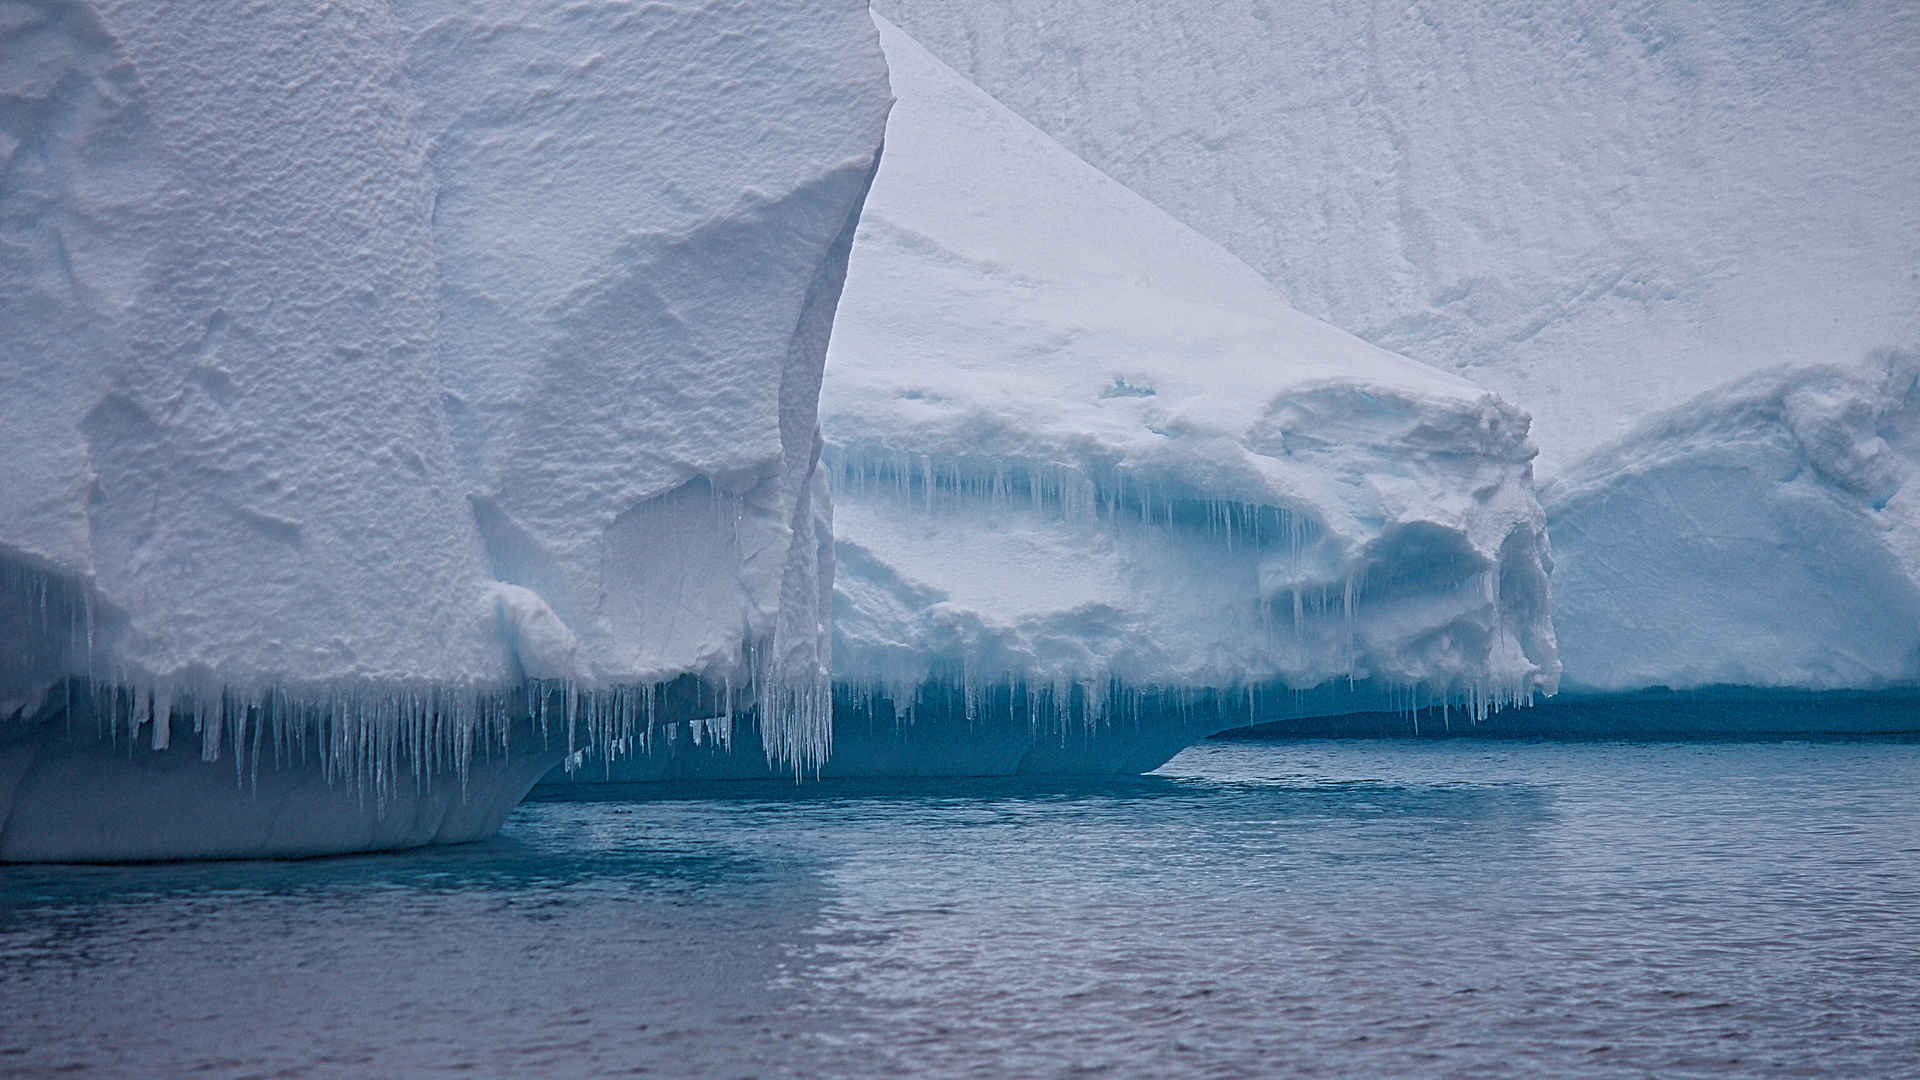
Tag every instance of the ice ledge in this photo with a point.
(1657, 714)
(942, 728)
(75, 788)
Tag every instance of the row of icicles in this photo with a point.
(374, 738)
(1069, 493)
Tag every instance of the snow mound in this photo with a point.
(373, 359)
(1596, 210)
(1086, 463)
(1764, 534)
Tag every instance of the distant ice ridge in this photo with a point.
(1090, 470)
(1765, 534)
(385, 380)
(1597, 210)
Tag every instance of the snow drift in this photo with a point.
(1098, 491)
(1596, 210)
(392, 378)
(1765, 534)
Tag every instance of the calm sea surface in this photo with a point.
(1289, 908)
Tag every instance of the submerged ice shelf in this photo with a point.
(369, 416)
(103, 776)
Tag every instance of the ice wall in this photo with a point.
(366, 360)
(1596, 209)
(217, 302)
(1087, 466)
(641, 230)
(1765, 534)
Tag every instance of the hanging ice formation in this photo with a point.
(405, 390)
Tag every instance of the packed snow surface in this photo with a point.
(369, 359)
(1081, 454)
(1765, 534)
(1596, 209)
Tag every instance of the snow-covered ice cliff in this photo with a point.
(1622, 218)
(1596, 209)
(366, 360)
(642, 226)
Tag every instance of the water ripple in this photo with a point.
(1302, 909)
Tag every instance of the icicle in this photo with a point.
(162, 719)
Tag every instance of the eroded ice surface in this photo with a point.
(382, 357)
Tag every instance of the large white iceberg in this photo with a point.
(1099, 491)
(1596, 210)
(388, 383)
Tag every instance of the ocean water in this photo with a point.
(1311, 908)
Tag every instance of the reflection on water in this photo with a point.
(1302, 907)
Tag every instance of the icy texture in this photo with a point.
(1080, 454)
(367, 359)
(1596, 209)
(1765, 534)
(217, 302)
(641, 229)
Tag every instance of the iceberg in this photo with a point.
(1099, 491)
(1668, 233)
(1597, 211)
(402, 394)
(1743, 565)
